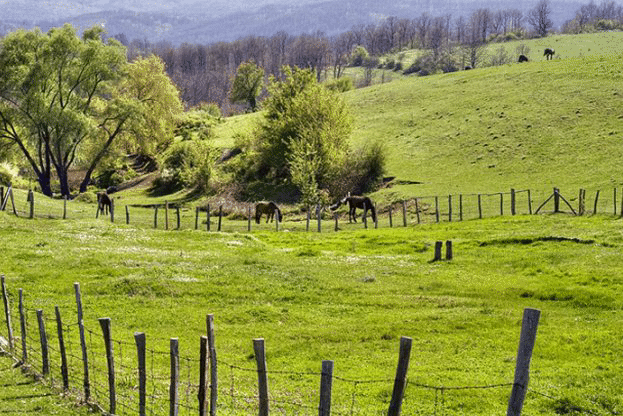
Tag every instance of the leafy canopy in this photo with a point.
(248, 84)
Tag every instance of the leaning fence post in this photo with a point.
(175, 377)
(401, 377)
(220, 217)
(110, 360)
(83, 344)
(326, 381)
(61, 347)
(22, 321)
(527, 339)
(417, 210)
(213, 365)
(260, 358)
(44, 344)
(203, 374)
(139, 339)
(7, 313)
(596, 199)
(529, 202)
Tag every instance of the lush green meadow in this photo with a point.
(349, 297)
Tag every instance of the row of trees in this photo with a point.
(204, 72)
(590, 17)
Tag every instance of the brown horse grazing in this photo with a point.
(549, 53)
(269, 209)
(104, 203)
(354, 202)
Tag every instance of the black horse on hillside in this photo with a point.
(549, 53)
(104, 204)
(354, 202)
(269, 209)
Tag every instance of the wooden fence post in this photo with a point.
(166, 215)
(450, 208)
(175, 378)
(127, 215)
(365, 216)
(1, 197)
(438, 248)
(501, 204)
(529, 202)
(65, 207)
(139, 339)
(10, 192)
(319, 217)
(401, 377)
(112, 209)
(596, 199)
(249, 220)
(449, 254)
(22, 321)
(203, 375)
(308, 218)
(208, 217)
(417, 210)
(61, 347)
(7, 313)
(83, 345)
(513, 197)
(622, 207)
(335, 217)
(615, 201)
(110, 360)
(196, 218)
(437, 209)
(522, 367)
(460, 207)
(213, 365)
(31, 199)
(556, 200)
(220, 217)
(390, 217)
(43, 337)
(479, 206)
(156, 217)
(326, 381)
(404, 212)
(262, 379)
(376, 218)
(179, 217)
(276, 216)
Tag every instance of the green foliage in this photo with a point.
(7, 175)
(359, 55)
(247, 84)
(341, 84)
(305, 130)
(211, 109)
(362, 171)
(187, 163)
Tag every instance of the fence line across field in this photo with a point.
(103, 371)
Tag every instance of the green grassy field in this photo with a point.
(349, 297)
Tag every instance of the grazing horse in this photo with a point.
(269, 209)
(549, 53)
(355, 202)
(104, 203)
(523, 58)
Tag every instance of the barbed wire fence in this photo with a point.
(127, 378)
(240, 217)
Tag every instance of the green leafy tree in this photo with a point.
(65, 98)
(303, 137)
(247, 84)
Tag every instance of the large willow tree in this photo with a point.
(63, 97)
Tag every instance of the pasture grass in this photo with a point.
(349, 296)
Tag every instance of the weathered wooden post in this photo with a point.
(31, 199)
(110, 360)
(208, 217)
(556, 200)
(139, 339)
(479, 206)
(7, 313)
(438, 248)
(365, 216)
(174, 403)
(319, 217)
(220, 217)
(127, 215)
(596, 199)
(436, 209)
(196, 218)
(501, 204)
(404, 212)
(276, 215)
(179, 217)
(513, 212)
(308, 218)
(213, 365)
(335, 217)
(400, 381)
(262, 379)
(615, 201)
(417, 210)
(166, 215)
(522, 367)
(249, 220)
(112, 209)
(326, 382)
(83, 344)
(376, 218)
(61, 347)
(65, 207)
(203, 375)
(529, 202)
(449, 253)
(22, 322)
(156, 216)
(460, 207)
(43, 337)
(450, 208)
(390, 217)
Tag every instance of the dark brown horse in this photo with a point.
(104, 203)
(354, 202)
(269, 209)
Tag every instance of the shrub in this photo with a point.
(359, 55)
(341, 84)
(363, 171)
(6, 176)
(187, 163)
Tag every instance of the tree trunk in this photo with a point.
(64, 183)
(44, 182)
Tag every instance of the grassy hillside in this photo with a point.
(534, 125)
